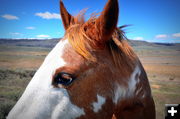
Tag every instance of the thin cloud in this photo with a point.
(9, 17)
(161, 36)
(48, 15)
(30, 28)
(138, 38)
(16, 33)
(176, 35)
(43, 36)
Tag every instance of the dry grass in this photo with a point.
(163, 68)
(15, 57)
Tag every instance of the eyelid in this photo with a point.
(71, 71)
(65, 75)
(68, 74)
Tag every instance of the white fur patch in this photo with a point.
(133, 81)
(40, 99)
(98, 105)
(122, 92)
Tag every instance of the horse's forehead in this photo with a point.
(70, 55)
(72, 58)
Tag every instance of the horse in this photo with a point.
(91, 73)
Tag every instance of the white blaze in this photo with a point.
(40, 99)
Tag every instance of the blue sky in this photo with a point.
(150, 20)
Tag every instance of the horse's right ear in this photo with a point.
(67, 19)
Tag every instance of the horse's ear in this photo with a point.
(67, 18)
(107, 21)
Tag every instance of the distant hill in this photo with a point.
(49, 43)
(30, 42)
(145, 43)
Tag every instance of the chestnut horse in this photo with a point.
(92, 73)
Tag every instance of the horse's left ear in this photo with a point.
(107, 21)
(67, 18)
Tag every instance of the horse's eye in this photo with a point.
(63, 78)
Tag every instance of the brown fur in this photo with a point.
(100, 58)
(84, 90)
(98, 78)
(87, 46)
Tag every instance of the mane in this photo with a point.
(84, 44)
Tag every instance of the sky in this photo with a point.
(148, 20)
